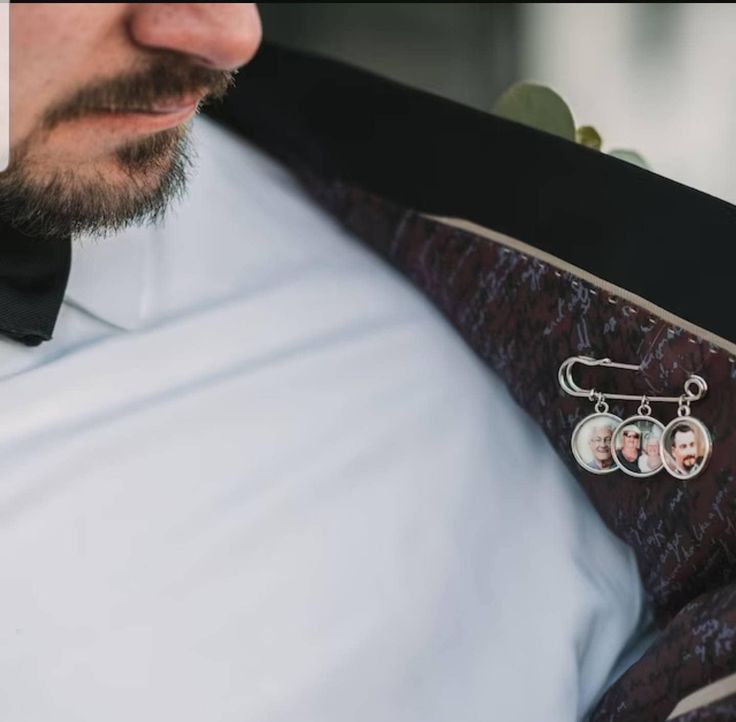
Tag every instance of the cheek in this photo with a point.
(54, 49)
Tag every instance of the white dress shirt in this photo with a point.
(256, 476)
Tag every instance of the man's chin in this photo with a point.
(134, 185)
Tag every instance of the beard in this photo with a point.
(63, 203)
(149, 172)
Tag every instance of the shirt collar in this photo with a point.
(110, 277)
(33, 277)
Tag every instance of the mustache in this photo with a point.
(167, 78)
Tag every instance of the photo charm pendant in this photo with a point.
(592, 440)
(639, 446)
(637, 443)
(686, 444)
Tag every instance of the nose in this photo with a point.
(223, 36)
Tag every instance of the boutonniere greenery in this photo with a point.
(540, 107)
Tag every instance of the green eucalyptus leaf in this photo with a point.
(538, 107)
(630, 156)
(589, 136)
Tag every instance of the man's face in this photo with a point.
(631, 441)
(684, 449)
(600, 444)
(100, 98)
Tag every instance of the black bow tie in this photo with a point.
(33, 277)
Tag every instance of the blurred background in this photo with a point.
(659, 78)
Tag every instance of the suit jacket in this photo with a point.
(538, 249)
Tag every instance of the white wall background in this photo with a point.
(659, 78)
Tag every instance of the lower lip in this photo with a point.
(146, 122)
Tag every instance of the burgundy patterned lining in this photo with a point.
(524, 317)
(697, 647)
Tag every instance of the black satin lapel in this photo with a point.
(665, 242)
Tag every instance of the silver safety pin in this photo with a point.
(568, 384)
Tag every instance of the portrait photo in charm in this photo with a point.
(592, 442)
(686, 447)
(636, 446)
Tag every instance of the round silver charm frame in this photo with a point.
(620, 428)
(708, 451)
(576, 431)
